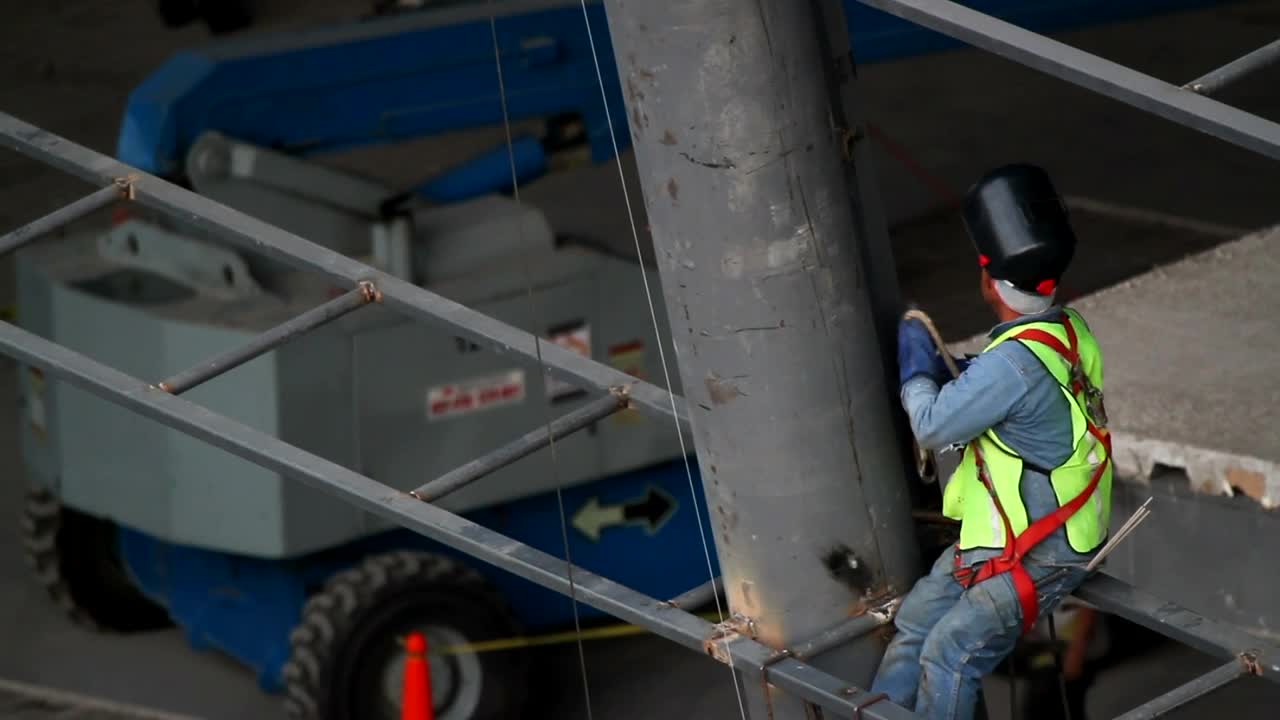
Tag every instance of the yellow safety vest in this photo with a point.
(966, 498)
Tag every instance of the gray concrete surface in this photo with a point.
(67, 65)
(1198, 390)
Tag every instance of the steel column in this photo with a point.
(766, 289)
(1090, 72)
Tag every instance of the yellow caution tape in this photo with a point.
(599, 633)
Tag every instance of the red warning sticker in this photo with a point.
(475, 394)
(628, 357)
(576, 338)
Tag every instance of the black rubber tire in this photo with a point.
(177, 13)
(75, 558)
(350, 629)
(224, 17)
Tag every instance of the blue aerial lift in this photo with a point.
(310, 593)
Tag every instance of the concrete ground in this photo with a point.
(67, 65)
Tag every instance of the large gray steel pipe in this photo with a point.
(765, 286)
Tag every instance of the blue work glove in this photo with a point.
(917, 355)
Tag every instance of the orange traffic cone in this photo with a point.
(416, 703)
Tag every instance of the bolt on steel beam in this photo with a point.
(362, 295)
(562, 426)
(399, 295)
(431, 521)
(1212, 82)
(63, 216)
(1189, 691)
(1090, 72)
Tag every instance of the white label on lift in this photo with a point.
(575, 339)
(475, 394)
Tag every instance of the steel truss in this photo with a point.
(160, 401)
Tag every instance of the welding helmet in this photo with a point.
(1021, 231)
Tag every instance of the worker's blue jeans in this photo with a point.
(949, 638)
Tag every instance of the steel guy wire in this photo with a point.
(657, 334)
(537, 344)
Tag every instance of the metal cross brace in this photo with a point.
(1090, 72)
(257, 236)
(689, 630)
(157, 403)
(789, 674)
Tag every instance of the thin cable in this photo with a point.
(537, 343)
(1057, 663)
(662, 355)
(1013, 684)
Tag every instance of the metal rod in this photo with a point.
(1210, 636)
(698, 596)
(431, 521)
(410, 300)
(351, 300)
(1125, 530)
(1185, 693)
(1212, 82)
(842, 632)
(62, 216)
(1090, 72)
(572, 422)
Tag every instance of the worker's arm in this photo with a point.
(966, 407)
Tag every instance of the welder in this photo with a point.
(1032, 491)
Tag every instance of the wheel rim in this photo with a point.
(456, 680)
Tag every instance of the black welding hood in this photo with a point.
(1019, 226)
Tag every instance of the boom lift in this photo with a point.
(133, 523)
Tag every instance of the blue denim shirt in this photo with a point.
(1006, 388)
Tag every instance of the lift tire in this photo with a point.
(347, 660)
(224, 17)
(177, 13)
(75, 558)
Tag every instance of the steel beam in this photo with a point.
(429, 520)
(1214, 638)
(1189, 691)
(1211, 83)
(351, 300)
(567, 424)
(1090, 72)
(846, 631)
(765, 284)
(699, 596)
(256, 236)
(62, 216)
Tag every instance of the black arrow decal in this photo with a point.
(655, 509)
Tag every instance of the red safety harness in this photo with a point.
(1015, 549)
